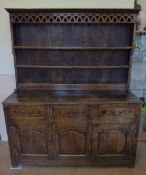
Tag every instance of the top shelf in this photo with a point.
(71, 48)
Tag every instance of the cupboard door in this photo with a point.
(73, 138)
(33, 141)
(113, 140)
(32, 135)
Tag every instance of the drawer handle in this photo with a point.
(30, 112)
(117, 113)
(27, 113)
(23, 112)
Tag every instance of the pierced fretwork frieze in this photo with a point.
(72, 18)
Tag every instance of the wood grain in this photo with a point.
(71, 106)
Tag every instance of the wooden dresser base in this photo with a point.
(72, 129)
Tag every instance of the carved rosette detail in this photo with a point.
(71, 18)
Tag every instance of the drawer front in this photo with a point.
(22, 111)
(116, 111)
(28, 122)
(72, 111)
(108, 120)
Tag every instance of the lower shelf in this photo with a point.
(45, 86)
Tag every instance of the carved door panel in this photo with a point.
(30, 136)
(33, 141)
(73, 138)
(113, 140)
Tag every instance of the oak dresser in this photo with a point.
(72, 105)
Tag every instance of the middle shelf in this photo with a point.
(72, 48)
(72, 67)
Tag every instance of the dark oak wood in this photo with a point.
(72, 105)
(43, 86)
(72, 67)
(72, 48)
(43, 10)
(74, 37)
(72, 128)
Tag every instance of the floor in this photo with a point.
(140, 168)
(142, 136)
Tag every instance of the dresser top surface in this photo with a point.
(71, 97)
(69, 10)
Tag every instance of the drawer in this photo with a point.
(116, 111)
(27, 122)
(72, 111)
(114, 120)
(26, 111)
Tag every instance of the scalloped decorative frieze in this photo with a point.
(72, 18)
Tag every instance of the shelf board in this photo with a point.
(71, 48)
(47, 86)
(72, 67)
